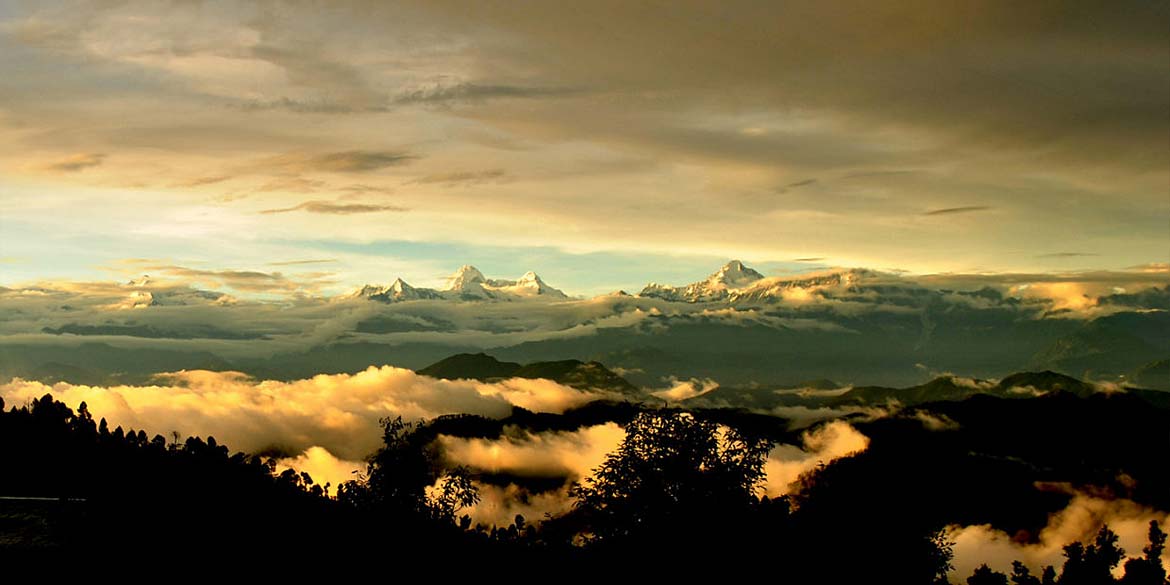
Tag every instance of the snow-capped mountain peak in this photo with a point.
(467, 279)
(466, 284)
(718, 286)
(529, 285)
(398, 290)
(399, 286)
(734, 275)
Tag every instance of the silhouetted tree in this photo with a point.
(1048, 577)
(1092, 564)
(983, 575)
(1021, 575)
(455, 491)
(401, 472)
(1148, 570)
(674, 476)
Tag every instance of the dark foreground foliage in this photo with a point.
(679, 497)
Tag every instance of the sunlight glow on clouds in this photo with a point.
(337, 412)
(820, 445)
(1079, 521)
(505, 128)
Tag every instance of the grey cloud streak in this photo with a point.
(957, 210)
(333, 208)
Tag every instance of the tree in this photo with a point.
(1021, 575)
(1148, 570)
(673, 474)
(454, 492)
(1092, 564)
(983, 575)
(406, 477)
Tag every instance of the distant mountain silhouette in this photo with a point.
(471, 366)
(572, 373)
(1155, 374)
(941, 389)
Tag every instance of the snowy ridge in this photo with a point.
(466, 284)
(735, 282)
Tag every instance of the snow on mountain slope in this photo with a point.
(466, 284)
(735, 282)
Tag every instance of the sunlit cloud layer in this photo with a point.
(339, 413)
(1077, 522)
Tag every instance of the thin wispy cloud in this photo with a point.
(200, 181)
(470, 92)
(302, 262)
(334, 208)
(957, 210)
(312, 106)
(464, 177)
(1067, 255)
(349, 161)
(76, 162)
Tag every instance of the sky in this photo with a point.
(602, 145)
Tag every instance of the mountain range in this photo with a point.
(466, 284)
(816, 394)
(736, 327)
(734, 282)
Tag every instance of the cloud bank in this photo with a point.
(821, 445)
(339, 413)
(1079, 521)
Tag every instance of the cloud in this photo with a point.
(339, 412)
(814, 259)
(571, 455)
(348, 161)
(1067, 255)
(200, 181)
(796, 185)
(1079, 521)
(499, 505)
(291, 185)
(994, 116)
(956, 210)
(574, 455)
(334, 208)
(682, 390)
(301, 262)
(312, 106)
(464, 177)
(323, 467)
(470, 92)
(821, 445)
(244, 280)
(76, 162)
(1152, 267)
